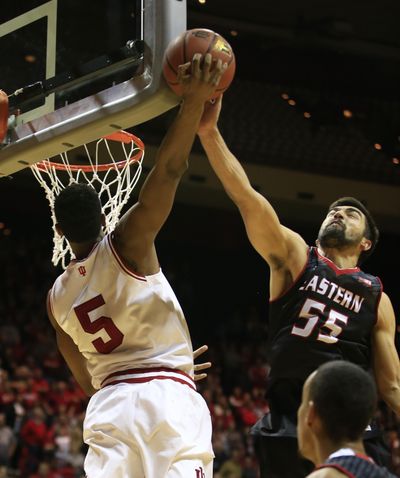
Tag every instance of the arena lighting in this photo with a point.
(30, 58)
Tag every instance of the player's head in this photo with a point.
(78, 213)
(348, 222)
(338, 401)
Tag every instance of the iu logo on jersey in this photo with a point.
(200, 473)
(82, 270)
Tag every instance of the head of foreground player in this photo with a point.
(338, 402)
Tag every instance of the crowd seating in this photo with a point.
(41, 406)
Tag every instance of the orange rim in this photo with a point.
(119, 136)
(3, 115)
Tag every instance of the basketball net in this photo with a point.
(113, 181)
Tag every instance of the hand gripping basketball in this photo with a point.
(200, 77)
(203, 41)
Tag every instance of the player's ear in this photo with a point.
(317, 242)
(365, 244)
(310, 417)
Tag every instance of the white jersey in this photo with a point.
(119, 320)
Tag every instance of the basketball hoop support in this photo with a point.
(116, 108)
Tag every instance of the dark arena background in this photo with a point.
(313, 113)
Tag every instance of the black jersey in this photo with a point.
(327, 314)
(355, 466)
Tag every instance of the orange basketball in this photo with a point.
(198, 40)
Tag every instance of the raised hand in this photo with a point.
(200, 79)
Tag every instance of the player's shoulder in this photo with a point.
(327, 472)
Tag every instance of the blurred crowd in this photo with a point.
(42, 407)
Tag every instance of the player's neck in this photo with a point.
(343, 258)
(82, 249)
(325, 448)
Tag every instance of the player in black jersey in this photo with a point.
(338, 401)
(323, 307)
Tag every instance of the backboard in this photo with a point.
(77, 71)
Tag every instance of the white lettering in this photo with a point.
(339, 295)
(348, 296)
(357, 302)
(333, 288)
(323, 286)
(312, 284)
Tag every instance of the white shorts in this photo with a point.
(155, 429)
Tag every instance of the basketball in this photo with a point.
(198, 40)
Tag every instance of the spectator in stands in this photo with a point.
(8, 442)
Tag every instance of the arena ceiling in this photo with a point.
(339, 62)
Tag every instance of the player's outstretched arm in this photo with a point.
(74, 359)
(385, 357)
(278, 245)
(140, 225)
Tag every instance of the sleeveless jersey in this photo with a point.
(120, 320)
(354, 465)
(328, 314)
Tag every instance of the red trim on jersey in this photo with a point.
(295, 281)
(147, 370)
(188, 380)
(149, 379)
(121, 264)
(365, 457)
(337, 467)
(335, 268)
(378, 301)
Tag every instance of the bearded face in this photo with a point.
(341, 228)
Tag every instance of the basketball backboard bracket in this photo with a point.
(49, 12)
(121, 106)
(131, 55)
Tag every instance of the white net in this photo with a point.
(113, 180)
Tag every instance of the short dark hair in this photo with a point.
(345, 399)
(371, 231)
(78, 212)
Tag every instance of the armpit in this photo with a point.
(276, 262)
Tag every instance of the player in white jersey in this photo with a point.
(118, 322)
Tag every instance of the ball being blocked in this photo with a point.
(198, 40)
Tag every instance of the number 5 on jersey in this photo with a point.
(102, 323)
